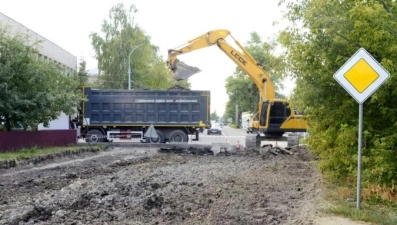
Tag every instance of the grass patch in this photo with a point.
(302, 140)
(32, 152)
(232, 125)
(377, 212)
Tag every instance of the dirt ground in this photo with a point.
(153, 186)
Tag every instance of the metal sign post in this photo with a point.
(151, 133)
(361, 76)
(360, 137)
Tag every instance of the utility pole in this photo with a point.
(129, 66)
(237, 115)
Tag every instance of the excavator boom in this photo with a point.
(241, 57)
(182, 71)
(276, 116)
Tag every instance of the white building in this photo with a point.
(47, 51)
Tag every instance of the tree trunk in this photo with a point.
(7, 122)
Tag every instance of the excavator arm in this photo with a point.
(241, 57)
(275, 116)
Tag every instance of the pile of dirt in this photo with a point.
(269, 151)
(142, 186)
(190, 150)
(177, 87)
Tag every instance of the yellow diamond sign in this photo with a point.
(361, 75)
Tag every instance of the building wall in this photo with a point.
(47, 50)
(61, 123)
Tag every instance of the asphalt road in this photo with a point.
(233, 137)
(229, 135)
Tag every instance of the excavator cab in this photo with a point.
(273, 115)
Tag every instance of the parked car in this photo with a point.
(215, 129)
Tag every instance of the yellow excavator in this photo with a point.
(275, 116)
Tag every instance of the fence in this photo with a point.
(16, 140)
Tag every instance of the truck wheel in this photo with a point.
(178, 136)
(160, 138)
(94, 136)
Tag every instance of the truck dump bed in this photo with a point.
(145, 107)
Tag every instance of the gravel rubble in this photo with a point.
(163, 186)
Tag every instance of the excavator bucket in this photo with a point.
(182, 71)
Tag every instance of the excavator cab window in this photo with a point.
(287, 109)
(263, 116)
(278, 113)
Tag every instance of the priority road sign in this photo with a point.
(361, 75)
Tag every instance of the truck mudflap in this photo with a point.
(193, 132)
(196, 136)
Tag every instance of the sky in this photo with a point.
(169, 23)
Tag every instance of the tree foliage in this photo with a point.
(214, 116)
(242, 90)
(118, 44)
(82, 73)
(32, 91)
(324, 36)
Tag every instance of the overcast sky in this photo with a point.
(169, 23)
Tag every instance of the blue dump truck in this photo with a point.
(109, 115)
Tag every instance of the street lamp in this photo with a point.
(129, 65)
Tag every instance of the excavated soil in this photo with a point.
(151, 186)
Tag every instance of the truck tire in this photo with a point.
(178, 136)
(160, 139)
(94, 136)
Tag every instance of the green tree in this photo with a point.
(82, 73)
(118, 44)
(31, 91)
(324, 35)
(265, 54)
(242, 90)
(214, 116)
